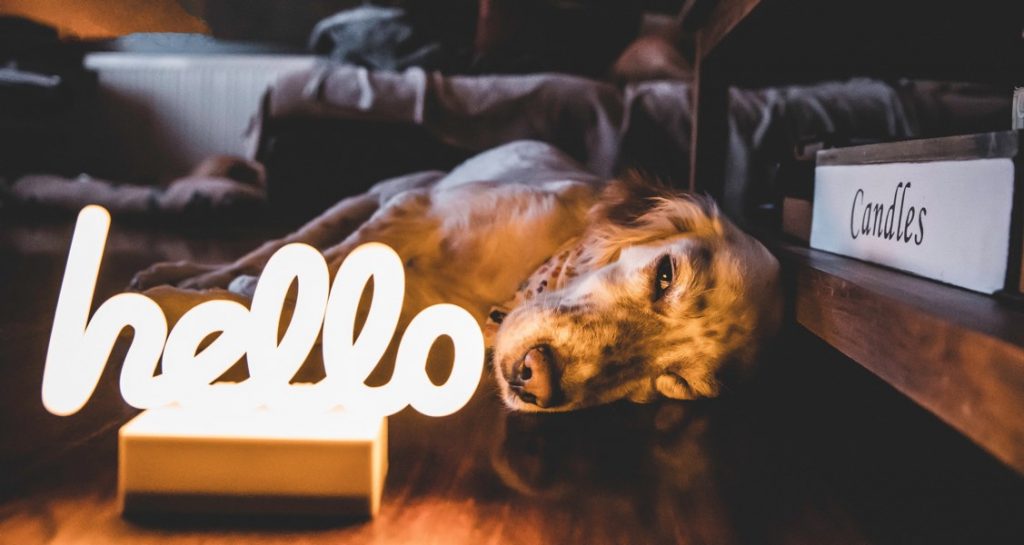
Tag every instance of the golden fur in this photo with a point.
(481, 237)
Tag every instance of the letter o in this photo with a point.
(425, 328)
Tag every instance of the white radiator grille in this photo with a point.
(160, 114)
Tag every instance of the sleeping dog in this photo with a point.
(588, 291)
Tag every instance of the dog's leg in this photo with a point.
(402, 222)
(330, 227)
(169, 273)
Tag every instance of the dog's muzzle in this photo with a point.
(534, 378)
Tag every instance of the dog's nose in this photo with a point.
(534, 378)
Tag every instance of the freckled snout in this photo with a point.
(534, 378)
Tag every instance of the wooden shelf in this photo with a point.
(957, 353)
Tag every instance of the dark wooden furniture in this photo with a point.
(756, 43)
(956, 353)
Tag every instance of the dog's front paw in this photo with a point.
(219, 278)
(174, 273)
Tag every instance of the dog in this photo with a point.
(588, 291)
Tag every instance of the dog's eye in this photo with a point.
(664, 273)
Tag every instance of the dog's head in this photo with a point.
(661, 296)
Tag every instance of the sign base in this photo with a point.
(182, 461)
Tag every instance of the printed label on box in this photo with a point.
(946, 220)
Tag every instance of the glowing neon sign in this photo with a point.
(80, 346)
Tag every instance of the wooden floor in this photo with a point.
(815, 451)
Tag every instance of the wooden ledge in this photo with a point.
(957, 353)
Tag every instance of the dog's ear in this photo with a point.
(634, 200)
(626, 199)
(674, 386)
(635, 210)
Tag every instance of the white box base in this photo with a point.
(175, 460)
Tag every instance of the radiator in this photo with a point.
(158, 115)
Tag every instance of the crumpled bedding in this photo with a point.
(593, 121)
(578, 115)
(379, 37)
(188, 195)
(216, 185)
(644, 126)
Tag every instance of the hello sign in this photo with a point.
(80, 346)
